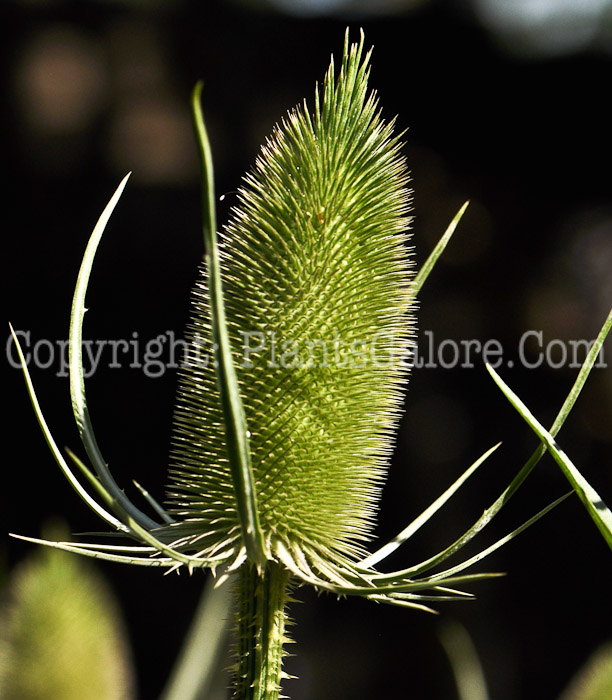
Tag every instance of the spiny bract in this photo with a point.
(316, 274)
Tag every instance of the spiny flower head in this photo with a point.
(293, 382)
(316, 281)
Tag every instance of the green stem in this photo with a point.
(262, 598)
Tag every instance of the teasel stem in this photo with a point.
(261, 618)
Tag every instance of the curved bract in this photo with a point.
(316, 280)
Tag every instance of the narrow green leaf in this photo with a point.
(153, 503)
(72, 480)
(528, 467)
(429, 264)
(77, 382)
(591, 500)
(466, 537)
(418, 522)
(564, 411)
(585, 370)
(236, 431)
(416, 585)
(419, 569)
(136, 529)
(453, 571)
(90, 550)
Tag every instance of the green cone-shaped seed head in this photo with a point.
(61, 635)
(316, 279)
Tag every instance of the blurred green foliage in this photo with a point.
(61, 633)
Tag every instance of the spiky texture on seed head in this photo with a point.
(316, 282)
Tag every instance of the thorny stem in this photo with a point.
(261, 617)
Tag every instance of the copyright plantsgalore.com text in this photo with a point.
(167, 352)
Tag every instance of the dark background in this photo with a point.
(513, 117)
